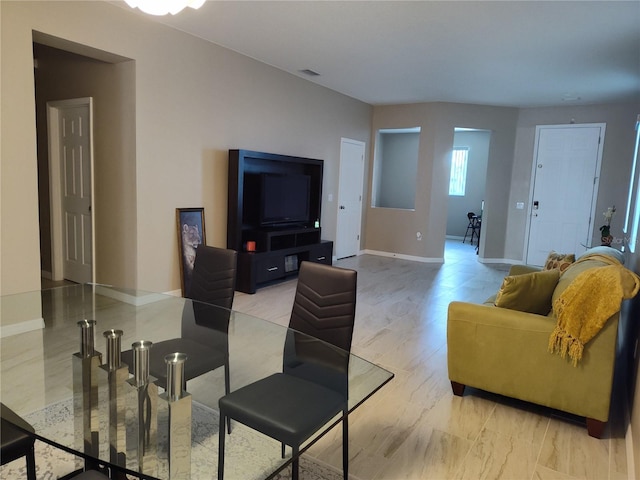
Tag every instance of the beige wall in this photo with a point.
(395, 231)
(62, 75)
(508, 172)
(395, 170)
(616, 162)
(192, 102)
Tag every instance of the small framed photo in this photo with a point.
(190, 224)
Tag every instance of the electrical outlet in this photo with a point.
(419, 236)
(520, 205)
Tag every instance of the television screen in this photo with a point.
(285, 199)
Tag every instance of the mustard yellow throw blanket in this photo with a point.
(587, 303)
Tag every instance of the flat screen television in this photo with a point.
(284, 199)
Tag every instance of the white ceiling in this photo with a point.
(507, 53)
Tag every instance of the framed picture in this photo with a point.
(190, 223)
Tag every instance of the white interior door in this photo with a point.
(566, 173)
(350, 198)
(71, 167)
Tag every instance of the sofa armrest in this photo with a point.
(522, 269)
(506, 352)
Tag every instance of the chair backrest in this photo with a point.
(214, 276)
(321, 326)
(325, 303)
(213, 283)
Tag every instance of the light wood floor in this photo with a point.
(414, 428)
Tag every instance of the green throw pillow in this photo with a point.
(530, 292)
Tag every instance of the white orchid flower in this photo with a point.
(608, 215)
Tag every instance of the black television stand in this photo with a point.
(279, 254)
(279, 248)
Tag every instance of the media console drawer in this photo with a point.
(270, 268)
(321, 253)
(255, 269)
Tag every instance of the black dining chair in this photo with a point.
(313, 386)
(16, 442)
(474, 226)
(205, 320)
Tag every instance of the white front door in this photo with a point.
(566, 173)
(71, 181)
(350, 198)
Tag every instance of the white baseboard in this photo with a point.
(174, 293)
(510, 261)
(404, 257)
(130, 296)
(21, 327)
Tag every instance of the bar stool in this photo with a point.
(16, 442)
(474, 226)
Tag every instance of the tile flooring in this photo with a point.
(414, 428)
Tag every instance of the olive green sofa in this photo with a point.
(506, 352)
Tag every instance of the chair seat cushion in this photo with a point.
(91, 475)
(200, 358)
(286, 408)
(15, 442)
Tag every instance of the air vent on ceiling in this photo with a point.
(309, 72)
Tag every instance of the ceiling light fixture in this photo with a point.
(162, 7)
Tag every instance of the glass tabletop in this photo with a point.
(81, 401)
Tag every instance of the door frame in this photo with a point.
(594, 197)
(341, 180)
(54, 110)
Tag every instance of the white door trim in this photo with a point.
(55, 185)
(341, 184)
(594, 198)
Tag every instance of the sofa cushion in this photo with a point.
(530, 292)
(604, 250)
(559, 261)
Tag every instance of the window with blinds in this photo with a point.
(458, 179)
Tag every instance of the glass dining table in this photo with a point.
(68, 382)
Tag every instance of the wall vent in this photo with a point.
(309, 72)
